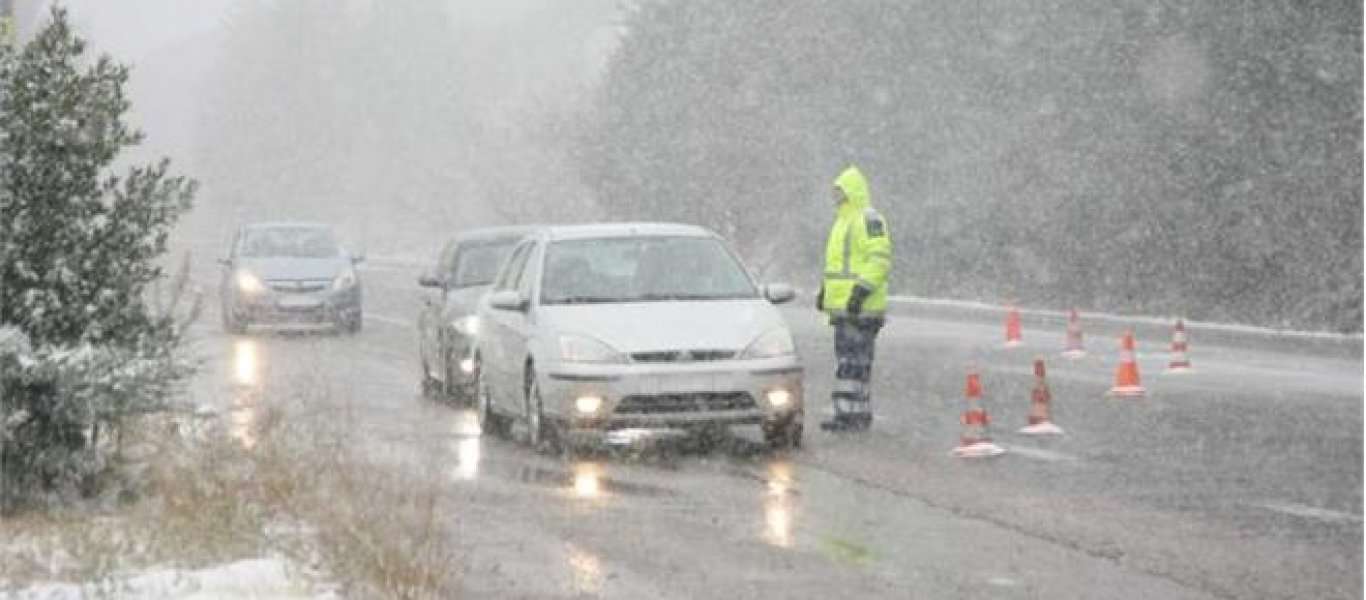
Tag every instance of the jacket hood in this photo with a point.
(855, 188)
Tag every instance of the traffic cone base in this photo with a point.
(979, 450)
(1074, 354)
(1045, 428)
(1128, 391)
(1013, 344)
(1178, 369)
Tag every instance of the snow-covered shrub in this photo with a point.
(78, 261)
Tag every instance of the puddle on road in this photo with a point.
(242, 428)
(468, 446)
(779, 505)
(586, 569)
(245, 363)
(587, 480)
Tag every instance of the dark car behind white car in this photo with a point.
(447, 324)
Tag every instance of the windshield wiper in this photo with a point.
(659, 297)
(583, 300)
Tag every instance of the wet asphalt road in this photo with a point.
(1241, 480)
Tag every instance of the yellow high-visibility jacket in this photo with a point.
(858, 251)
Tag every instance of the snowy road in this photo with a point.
(1240, 480)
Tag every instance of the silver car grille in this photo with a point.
(642, 404)
(298, 286)
(666, 356)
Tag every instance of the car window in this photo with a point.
(290, 242)
(642, 269)
(508, 277)
(477, 263)
(527, 273)
(446, 259)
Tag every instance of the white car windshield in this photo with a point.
(642, 269)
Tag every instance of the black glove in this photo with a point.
(820, 299)
(856, 298)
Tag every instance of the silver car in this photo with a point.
(289, 273)
(447, 324)
(606, 333)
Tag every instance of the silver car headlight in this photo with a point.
(248, 283)
(772, 344)
(345, 280)
(467, 326)
(581, 348)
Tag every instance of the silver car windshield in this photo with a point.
(291, 242)
(642, 269)
(478, 263)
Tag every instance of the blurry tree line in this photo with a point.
(402, 121)
(90, 332)
(1167, 157)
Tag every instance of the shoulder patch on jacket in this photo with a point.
(873, 223)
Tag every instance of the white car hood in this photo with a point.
(666, 326)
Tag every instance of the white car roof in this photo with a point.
(603, 230)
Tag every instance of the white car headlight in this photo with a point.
(772, 344)
(467, 325)
(345, 280)
(579, 348)
(248, 283)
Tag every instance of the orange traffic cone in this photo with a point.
(1074, 348)
(975, 441)
(1126, 377)
(1040, 422)
(1180, 361)
(1013, 338)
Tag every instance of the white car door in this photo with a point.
(502, 365)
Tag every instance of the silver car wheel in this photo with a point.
(489, 422)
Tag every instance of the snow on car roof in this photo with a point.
(489, 233)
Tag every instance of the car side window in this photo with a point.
(508, 279)
(445, 263)
(525, 274)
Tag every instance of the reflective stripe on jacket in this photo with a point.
(858, 251)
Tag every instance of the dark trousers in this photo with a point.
(854, 341)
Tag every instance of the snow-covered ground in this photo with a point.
(255, 578)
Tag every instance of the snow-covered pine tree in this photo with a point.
(78, 252)
(78, 244)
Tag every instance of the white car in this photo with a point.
(601, 333)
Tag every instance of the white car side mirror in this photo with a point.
(779, 293)
(507, 300)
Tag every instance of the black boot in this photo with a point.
(861, 422)
(837, 423)
(848, 422)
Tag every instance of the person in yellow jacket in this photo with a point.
(858, 260)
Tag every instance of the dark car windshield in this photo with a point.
(477, 263)
(290, 242)
(642, 269)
